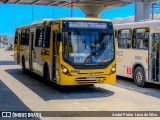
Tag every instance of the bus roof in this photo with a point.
(138, 24)
(51, 21)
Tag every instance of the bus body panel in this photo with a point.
(124, 62)
(81, 77)
(140, 57)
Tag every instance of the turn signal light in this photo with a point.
(113, 70)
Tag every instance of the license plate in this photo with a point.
(91, 78)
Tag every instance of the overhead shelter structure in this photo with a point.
(92, 8)
(142, 9)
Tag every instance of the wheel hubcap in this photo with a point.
(139, 77)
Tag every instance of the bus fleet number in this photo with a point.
(138, 57)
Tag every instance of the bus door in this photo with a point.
(31, 49)
(140, 45)
(37, 61)
(124, 53)
(154, 63)
(56, 44)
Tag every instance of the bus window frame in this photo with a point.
(153, 34)
(59, 39)
(44, 39)
(147, 31)
(115, 33)
(28, 37)
(23, 41)
(37, 39)
(56, 40)
(117, 36)
(16, 37)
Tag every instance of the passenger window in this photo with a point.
(140, 38)
(155, 38)
(124, 38)
(39, 37)
(16, 38)
(22, 37)
(25, 37)
(46, 37)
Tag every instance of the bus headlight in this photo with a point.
(113, 70)
(65, 70)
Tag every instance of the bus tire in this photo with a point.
(23, 65)
(139, 77)
(46, 74)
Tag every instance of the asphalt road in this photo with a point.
(28, 92)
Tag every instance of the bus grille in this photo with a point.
(89, 80)
(94, 73)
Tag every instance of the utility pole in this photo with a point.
(53, 12)
(71, 8)
(72, 5)
(14, 19)
(152, 7)
(32, 14)
(24, 15)
(41, 13)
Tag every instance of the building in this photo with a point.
(4, 41)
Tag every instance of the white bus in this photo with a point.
(138, 51)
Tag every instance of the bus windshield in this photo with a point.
(88, 47)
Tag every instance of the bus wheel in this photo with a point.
(139, 77)
(46, 74)
(23, 66)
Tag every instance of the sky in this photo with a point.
(13, 15)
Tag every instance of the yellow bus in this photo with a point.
(68, 51)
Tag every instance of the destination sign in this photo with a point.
(91, 25)
(87, 25)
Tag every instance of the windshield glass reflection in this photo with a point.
(88, 47)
